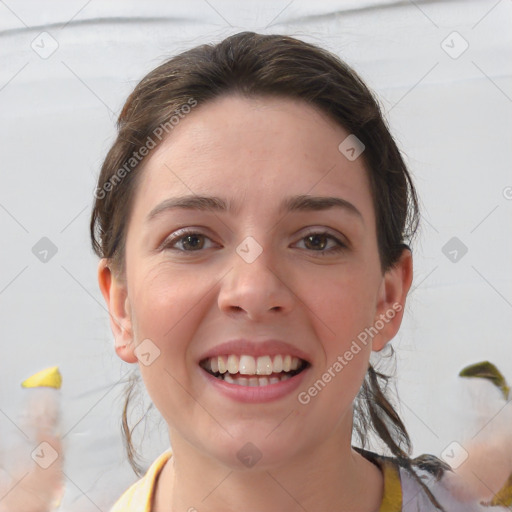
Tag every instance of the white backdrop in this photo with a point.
(443, 72)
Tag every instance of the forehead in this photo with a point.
(252, 151)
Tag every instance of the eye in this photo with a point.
(187, 240)
(322, 242)
(190, 240)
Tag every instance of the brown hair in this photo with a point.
(252, 64)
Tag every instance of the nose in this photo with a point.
(255, 289)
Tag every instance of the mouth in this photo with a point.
(249, 371)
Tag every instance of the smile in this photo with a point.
(246, 370)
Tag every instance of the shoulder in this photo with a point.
(139, 496)
(408, 491)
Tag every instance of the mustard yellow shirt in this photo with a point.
(402, 492)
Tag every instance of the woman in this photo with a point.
(252, 220)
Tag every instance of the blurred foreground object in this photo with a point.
(33, 481)
(486, 474)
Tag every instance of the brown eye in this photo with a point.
(316, 242)
(188, 241)
(322, 243)
(192, 242)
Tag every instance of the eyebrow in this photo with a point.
(217, 204)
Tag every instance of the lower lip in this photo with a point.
(256, 394)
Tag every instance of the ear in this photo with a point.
(395, 285)
(115, 293)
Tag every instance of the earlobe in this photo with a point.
(115, 293)
(392, 296)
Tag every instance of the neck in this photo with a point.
(332, 476)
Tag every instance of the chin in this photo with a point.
(254, 453)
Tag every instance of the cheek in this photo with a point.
(163, 301)
(165, 305)
(343, 305)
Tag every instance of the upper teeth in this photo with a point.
(249, 365)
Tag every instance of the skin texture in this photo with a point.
(254, 153)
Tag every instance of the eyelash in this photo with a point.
(180, 235)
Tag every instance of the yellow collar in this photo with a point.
(392, 497)
(139, 497)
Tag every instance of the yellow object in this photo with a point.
(140, 496)
(49, 378)
(503, 497)
(392, 498)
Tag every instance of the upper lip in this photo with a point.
(255, 348)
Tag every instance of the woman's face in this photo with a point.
(280, 259)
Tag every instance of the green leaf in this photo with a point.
(486, 370)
